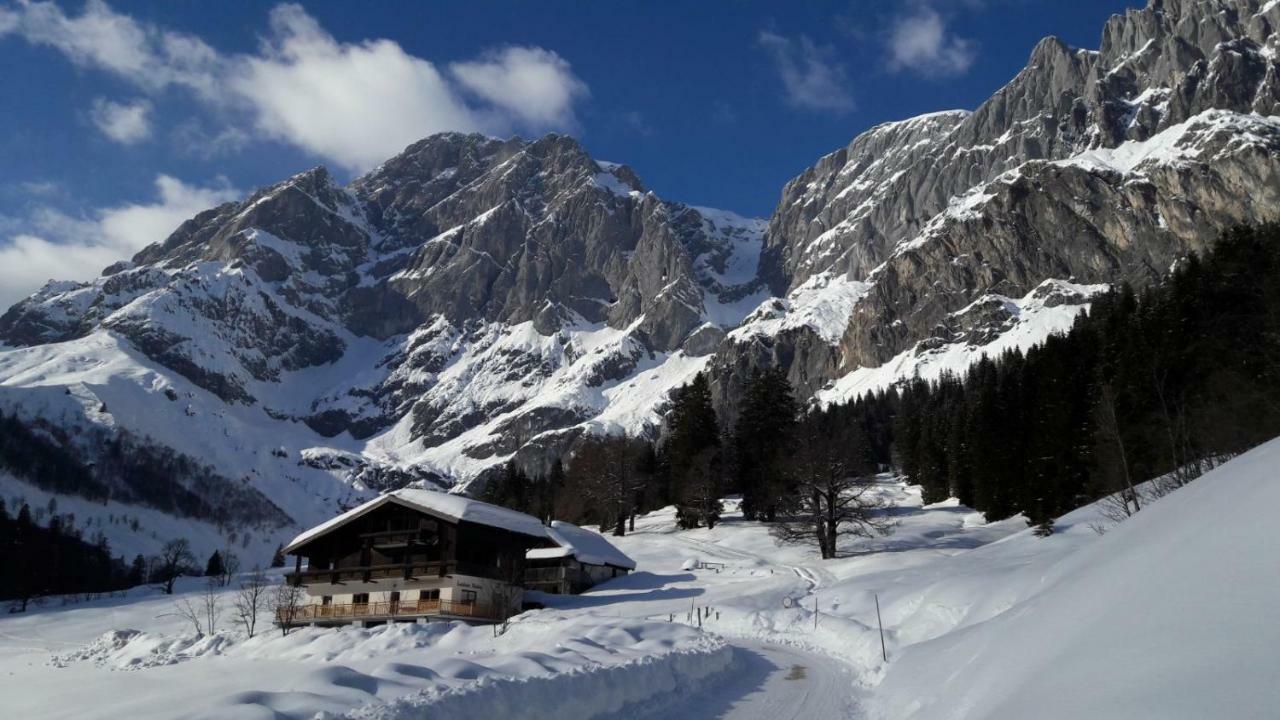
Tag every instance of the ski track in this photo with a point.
(774, 681)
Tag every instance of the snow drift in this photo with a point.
(1171, 614)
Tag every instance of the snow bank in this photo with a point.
(589, 692)
(546, 664)
(1171, 614)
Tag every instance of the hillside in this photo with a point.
(981, 620)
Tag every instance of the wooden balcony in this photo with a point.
(368, 573)
(398, 571)
(386, 611)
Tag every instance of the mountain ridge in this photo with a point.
(474, 299)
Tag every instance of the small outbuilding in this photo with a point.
(578, 560)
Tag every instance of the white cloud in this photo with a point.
(125, 123)
(103, 39)
(812, 77)
(52, 244)
(535, 85)
(355, 104)
(920, 42)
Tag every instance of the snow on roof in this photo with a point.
(589, 547)
(452, 507)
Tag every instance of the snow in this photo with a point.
(1169, 614)
(611, 183)
(587, 546)
(1032, 321)
(823, 303)
(149, 665)
(1178, 144)
(453, 507)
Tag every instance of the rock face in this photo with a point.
(469, 299)
(475, 299)
(1094, 167)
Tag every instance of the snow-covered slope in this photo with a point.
(1170, 614)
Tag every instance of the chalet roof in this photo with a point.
(432, 502)
(588, 547)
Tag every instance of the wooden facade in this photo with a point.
(398, 561)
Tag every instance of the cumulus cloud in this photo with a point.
(811, 76)
(356, 104)
(920, 42)
(102, 39)
(351, 103)
(51, 244)
(535, 85)
(125, 123)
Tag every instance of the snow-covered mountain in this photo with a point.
(468, 299)
(1086, 169)
(474, 299)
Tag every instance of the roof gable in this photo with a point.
(455, 508)
(587, 546)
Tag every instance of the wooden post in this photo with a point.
(883, 653)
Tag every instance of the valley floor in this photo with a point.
(980, 620)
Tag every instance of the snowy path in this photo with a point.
(774, 682)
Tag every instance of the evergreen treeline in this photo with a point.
(1162, 383)
(54, 560)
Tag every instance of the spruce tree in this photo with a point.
(213, 568)
(763, 437)
(137, 571)
(691, 455)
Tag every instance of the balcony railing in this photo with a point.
(401, 571)
(303, 614)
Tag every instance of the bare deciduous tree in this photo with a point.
(211, 605)
(833, 492)
(230, 567)
(188, 611)
(605, 477)
(174, 560)
(250, 601)
(286, 602)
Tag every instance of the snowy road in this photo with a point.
(772, 682)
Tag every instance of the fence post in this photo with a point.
(883, 653)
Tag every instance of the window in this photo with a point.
(428, 594)
(469, 597)
(326, 600)
(360, 598)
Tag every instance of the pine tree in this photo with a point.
(692, 457)
(137, 571)
(213, 568)
(762, 441)
(277, 559)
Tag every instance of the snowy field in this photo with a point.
(1171, 614)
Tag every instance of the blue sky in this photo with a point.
(121, 119)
